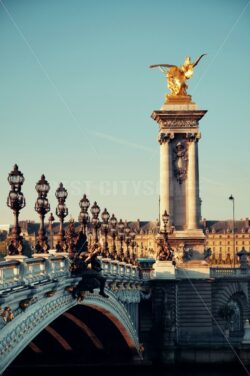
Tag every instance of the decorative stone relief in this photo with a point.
(165, 137)
(23, 327)
(193, 136)
(232, 315)
(181, 123)
(180, 162)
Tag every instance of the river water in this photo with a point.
(122, 370)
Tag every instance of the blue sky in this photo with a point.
(76, 97)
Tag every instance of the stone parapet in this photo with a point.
(164, 270)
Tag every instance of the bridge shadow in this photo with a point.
(82, 336)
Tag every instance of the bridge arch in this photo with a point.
(118, 315)
(19, 333)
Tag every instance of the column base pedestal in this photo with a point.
(193, 239)
(164, 270)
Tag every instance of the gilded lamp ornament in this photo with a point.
(177, 77)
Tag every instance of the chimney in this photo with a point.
(138, 224)
(204, 222)
(247, 223)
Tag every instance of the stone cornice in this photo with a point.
(178, 119)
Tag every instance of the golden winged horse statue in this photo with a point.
(177, 76)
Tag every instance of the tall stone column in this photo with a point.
(192, 182)
(165, 181)
(179, 176)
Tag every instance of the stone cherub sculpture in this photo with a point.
(177, 76)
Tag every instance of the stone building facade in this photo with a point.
(219, 237)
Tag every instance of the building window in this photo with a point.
(220, 249)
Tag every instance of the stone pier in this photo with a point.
(179, 135)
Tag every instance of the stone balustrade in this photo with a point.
(32, 271)
(219, 272)
(10, 274)
(117, 268)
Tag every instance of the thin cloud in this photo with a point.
(212, 182)
(123, 142)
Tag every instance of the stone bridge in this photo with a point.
(189, 313)
(38, 291)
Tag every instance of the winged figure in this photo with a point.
(177, 76)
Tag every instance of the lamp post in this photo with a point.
(121, 226)
(113, 224)
(105, 228)
(165, 218)
(95, 211)
(16, 202)
(127, 241)
(42, 207)
(231, 198)
(51, 220)
(61, 212)
(133, 244)
(165, 253)
(83, 216)
(70, 238)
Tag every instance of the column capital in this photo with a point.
(193, 136)
(165, 137)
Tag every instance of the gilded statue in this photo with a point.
(177, 76)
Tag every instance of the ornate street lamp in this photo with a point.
(61, 212)
(113, 224)
(16, 179)
(16, 202)
(165, 252)
(127, 241)
(95, 211)
(70, 238)
(83, 216)
(133, 244)
(51, 220)
(121, 226)
(105, 228)
(165, 218)
(42, 207)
